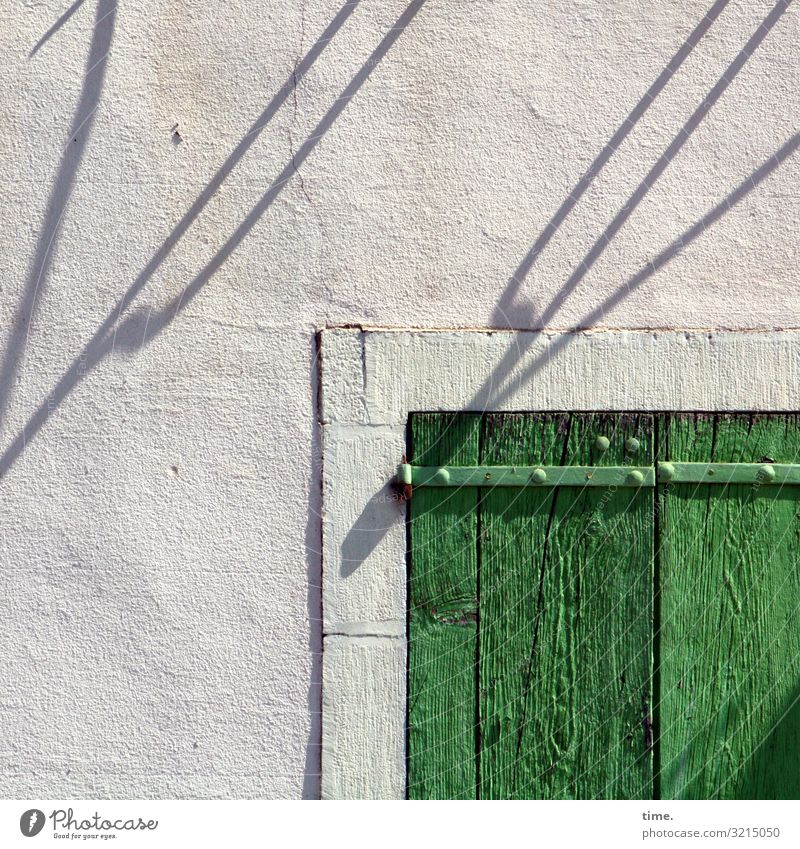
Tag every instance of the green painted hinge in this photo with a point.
(526, 475)
(620, 476)
(784, 474)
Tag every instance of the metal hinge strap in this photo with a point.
(620, 476)
(754, 473)
(544, 476)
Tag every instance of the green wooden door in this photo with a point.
(730, 633)
(542, 621)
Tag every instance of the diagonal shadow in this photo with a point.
(487, 397)
(56, 27)
(302, 67)
(55, 212)
(506, 305)
(771, 771)
(140, 327)
(519, 347)
(79, 134)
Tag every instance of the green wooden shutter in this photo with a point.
(730, 598)
(443, 616)
(536, 615)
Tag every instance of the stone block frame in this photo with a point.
(372, 379)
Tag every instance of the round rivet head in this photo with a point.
(539, 476)
(632, 445)
(442, 476)
(635, 478)
(404, 476)
(765, 474)
(666, 471)
(601, 443)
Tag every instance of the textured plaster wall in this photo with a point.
(439, 164)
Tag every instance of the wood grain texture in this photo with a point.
(730, 598)
(442, 717)
(565, 617)
(560, 581)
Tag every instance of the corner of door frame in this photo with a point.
(371, 380)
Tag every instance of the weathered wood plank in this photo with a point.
(442, 721)
(565, 616)
(730, 632)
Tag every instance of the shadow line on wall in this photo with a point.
(506, 309)
(79, 133)
(489, 396)
(138, 328)
(56, 27)
(493, 391)
(364, 536)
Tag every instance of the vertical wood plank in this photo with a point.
(566, 616)
(730, 599)
(442, 721)
(514, 532)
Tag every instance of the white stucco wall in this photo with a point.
(160, 471)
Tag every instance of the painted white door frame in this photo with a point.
(372, 379)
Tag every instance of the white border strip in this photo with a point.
(372, 380)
